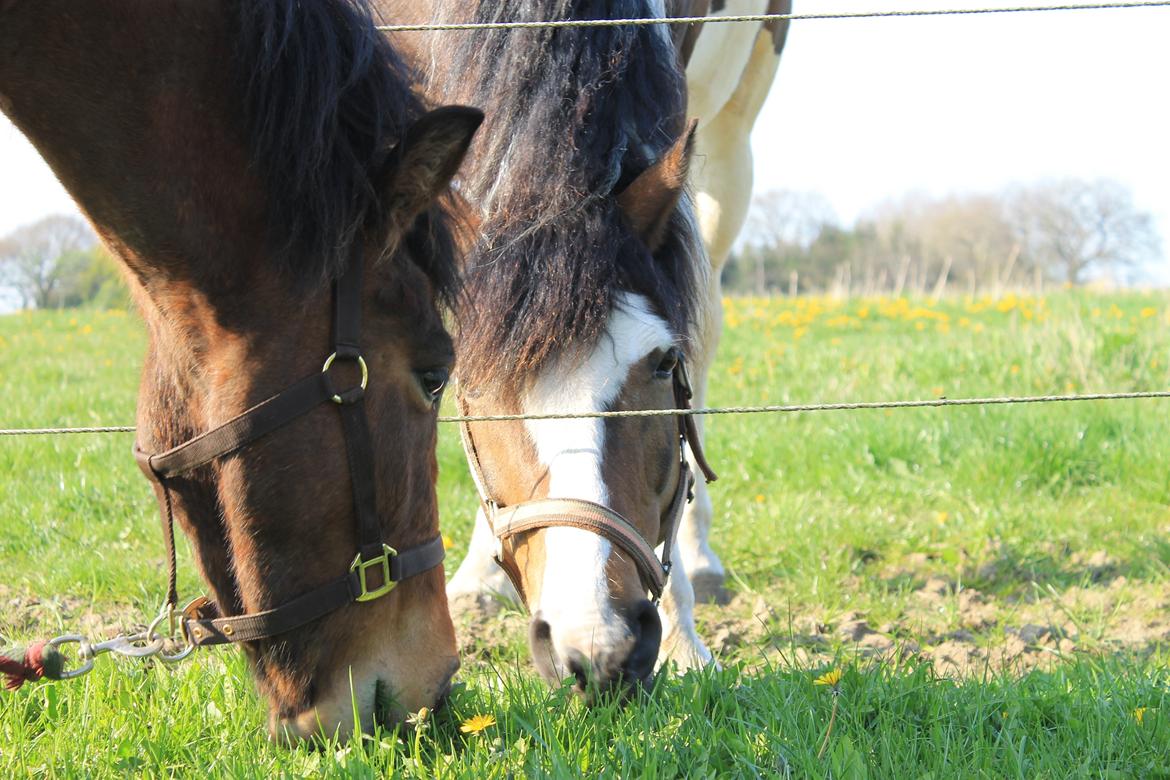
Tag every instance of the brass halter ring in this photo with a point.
(337, 399)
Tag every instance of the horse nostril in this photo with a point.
(646, 627)
(578, 670)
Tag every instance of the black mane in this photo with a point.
(574, 115)
(327, 99)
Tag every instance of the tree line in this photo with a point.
(1027, 236)
(57, 263)
(1024, 236)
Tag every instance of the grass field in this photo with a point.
(993, 582)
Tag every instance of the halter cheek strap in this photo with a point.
(377, 567)
(507, 522)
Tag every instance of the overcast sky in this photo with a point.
(868, 109)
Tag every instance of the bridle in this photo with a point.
(507, 522)
(377, 567)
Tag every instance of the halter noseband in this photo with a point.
(509, 521)
(377, 568)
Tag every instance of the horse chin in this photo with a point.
(375, 706)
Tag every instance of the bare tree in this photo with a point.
(1075, 228)
(788, 217)
(780, 220)
(38, 260)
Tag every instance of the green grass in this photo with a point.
(1049, 515)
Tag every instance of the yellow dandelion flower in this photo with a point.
(759, 498)
(1148, 312)
(1015, 369)
(1140, 713)
(86, 330)
(799, 333)
(477, 723)
(448, 542)
(977, 327)
(941, 518)
(831, 678)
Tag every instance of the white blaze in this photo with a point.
(574, 596)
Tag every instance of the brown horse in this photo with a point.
(582, 296)
(234, 155)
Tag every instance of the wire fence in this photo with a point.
(642, 22)
(927, 403)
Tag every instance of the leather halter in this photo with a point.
(377, 568)
(510, 521)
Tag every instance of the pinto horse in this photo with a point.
(583, 293)
(730, 68)
(238, 157)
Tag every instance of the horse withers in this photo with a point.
(582, 294)
(241, 158)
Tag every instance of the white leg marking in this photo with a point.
(680, 640)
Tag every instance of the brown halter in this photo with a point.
(509, 521)
(376, 569)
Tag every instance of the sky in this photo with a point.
(865, 110)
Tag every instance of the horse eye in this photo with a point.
(668, 364)
(433, 381)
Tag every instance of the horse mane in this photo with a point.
(577, 115)
(326, 100)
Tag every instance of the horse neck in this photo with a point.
(128, 104)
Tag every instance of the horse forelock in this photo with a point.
(326, 100)
(580, 113)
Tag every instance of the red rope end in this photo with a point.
(30, 667)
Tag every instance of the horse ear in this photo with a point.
(651, 198)
(427, 158)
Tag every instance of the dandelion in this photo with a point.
(759, 498)
(419, 718)
(1140, 713)
(448, 543)
(1148, 312)
(941, 518)
(477, 723)
(86, 330)
(1015, 369)
(830, 678)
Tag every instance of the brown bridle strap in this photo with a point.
(377, 566)
(507, 522)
